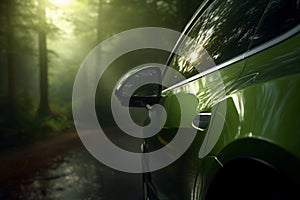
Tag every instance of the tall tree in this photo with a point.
(9, 12)
(100, 16)
(43, 60)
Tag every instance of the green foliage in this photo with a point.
(54, 123)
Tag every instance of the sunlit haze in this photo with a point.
(61, 2)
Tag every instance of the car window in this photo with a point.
(280, 16)
(222, 32)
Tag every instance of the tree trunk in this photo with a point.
(99, 23)
(43, 61)
(10, 60)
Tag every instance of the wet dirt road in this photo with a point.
(61, 168)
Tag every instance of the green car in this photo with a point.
(234, 91)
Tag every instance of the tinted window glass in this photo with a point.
(280, 16)
(222, 32)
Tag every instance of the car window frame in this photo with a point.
(249, 52)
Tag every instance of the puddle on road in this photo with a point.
(76, 175)
(71, 176)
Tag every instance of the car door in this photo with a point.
(261, 116)
(209, 64)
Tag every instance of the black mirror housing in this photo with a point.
(140, 87)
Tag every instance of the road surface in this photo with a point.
(61, 168)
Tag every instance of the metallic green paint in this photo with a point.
(262, 118)
(263, 105)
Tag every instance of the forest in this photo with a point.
(43, 43)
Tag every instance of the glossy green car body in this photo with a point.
(233, 92)
(251, 146)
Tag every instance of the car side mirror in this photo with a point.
(140, 87)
